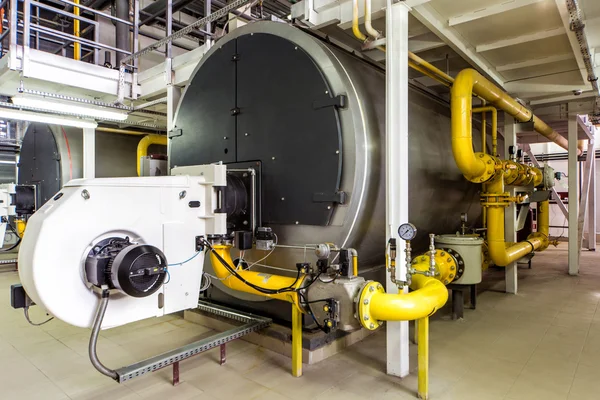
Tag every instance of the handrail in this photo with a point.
(96, 12)
(73, 38)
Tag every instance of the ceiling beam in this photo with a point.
(490, 11)
(566, 19)
(417, 46)
(569, 97)
(429, 17)
(534, 62)
(520, 87)
(520, 39)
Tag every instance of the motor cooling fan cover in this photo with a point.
(138, 270)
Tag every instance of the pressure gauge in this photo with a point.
(407, 231)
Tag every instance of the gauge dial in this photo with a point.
(407, 231)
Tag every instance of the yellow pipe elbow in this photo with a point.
(485, 89)
(355, 29)
(473, 166)
(428, 295)
(261, 279)
(375, 305)
(142, 148)
(500, 253)
(368, 25)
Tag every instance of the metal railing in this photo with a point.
(22, 25)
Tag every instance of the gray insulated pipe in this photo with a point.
(122, 30)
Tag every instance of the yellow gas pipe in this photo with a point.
(494, 112)
(428, 294)
(266, 281)
(502, 253)
(142, 148)
(261, 279)
(467, 83)
(76, 32)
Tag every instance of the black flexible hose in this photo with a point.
(94, 338)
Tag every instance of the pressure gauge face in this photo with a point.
(407, 231)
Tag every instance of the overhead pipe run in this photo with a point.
(469, 82)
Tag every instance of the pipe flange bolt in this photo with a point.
(490, 169)
(363, 305)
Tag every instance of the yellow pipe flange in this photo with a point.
(542, 237)
(366, 294)
(489, 171)
(445, 265)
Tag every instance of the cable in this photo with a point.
(14, 246)
(168, 276)
(26, 312)
(232, 271)
(186, 261)
(208, 283)
(265, 257)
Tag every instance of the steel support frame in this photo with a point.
(555, 196)
(251, 323)
(397, 340)
(574, 242)
(586, 186)
(590, 240)
(510, 212)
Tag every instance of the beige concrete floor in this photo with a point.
(543, 343)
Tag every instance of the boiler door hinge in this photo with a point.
(175, 133)
(337, 102)
(337, 197)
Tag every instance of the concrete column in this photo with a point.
(397, 168)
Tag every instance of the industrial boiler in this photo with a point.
(309, 117)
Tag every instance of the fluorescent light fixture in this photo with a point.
(8, 113)
(71, 108)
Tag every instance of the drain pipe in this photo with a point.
(122, 30)
(578, 26)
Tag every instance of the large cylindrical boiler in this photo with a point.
(310, 118)
(52, 155)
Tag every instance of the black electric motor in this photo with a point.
(137, 270)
